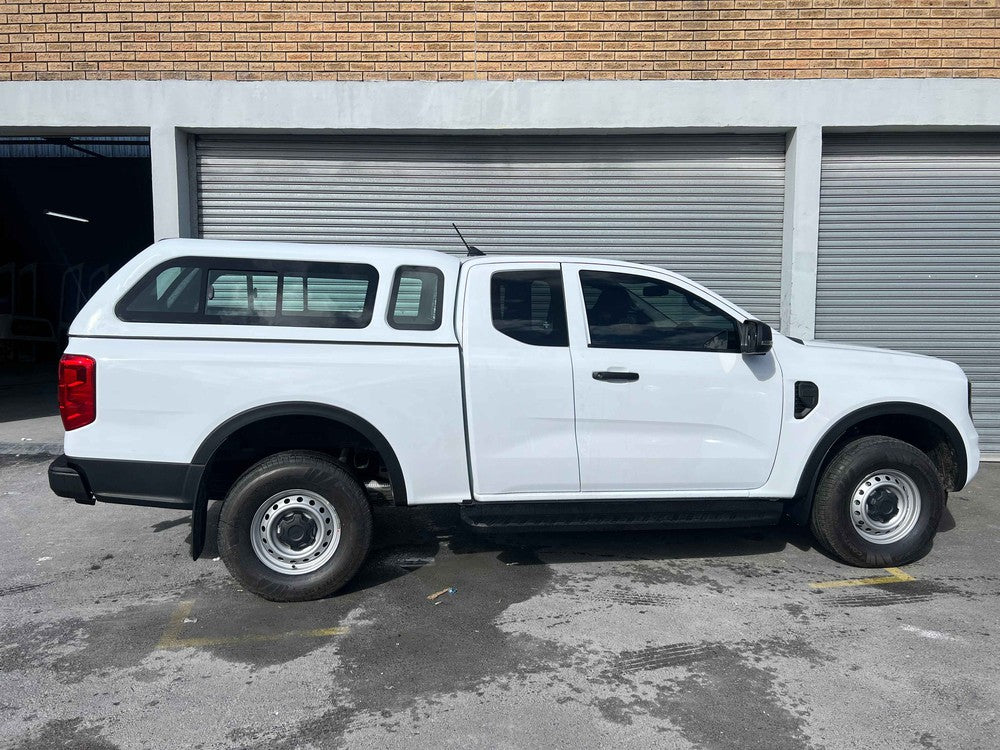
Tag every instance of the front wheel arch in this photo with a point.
(878, 503)
(883, 419)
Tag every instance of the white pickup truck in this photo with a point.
(303, 383)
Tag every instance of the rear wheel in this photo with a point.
(295, 526)
(878, 503)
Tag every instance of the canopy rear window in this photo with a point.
(254, 292)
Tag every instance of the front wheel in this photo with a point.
(294, 527)
(878, 503)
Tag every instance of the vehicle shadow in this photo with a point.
(947, 521)
(407, 539)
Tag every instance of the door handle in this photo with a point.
(614, 376)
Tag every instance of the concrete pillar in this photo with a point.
(168, 147)
(801, 231)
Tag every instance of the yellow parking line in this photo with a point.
(896, 575)
(171, 636)
(176, 624)
(252, 638)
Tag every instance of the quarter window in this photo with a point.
(530, 307)
(416, 301)
(625, 311)
(172, 290)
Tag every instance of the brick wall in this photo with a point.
(488, 39)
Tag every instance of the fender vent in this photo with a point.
(806, 397)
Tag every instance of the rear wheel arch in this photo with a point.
(210, 448)
(921, 426)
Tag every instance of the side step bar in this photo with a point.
(622, 514)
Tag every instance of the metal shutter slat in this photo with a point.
(708, 206)
(909, 252)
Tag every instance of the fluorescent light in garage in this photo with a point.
(67, 216)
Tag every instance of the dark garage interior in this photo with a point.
(73, 209)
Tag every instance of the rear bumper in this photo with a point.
(67, 481)
(147, 483)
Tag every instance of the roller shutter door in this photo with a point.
(909, 252)
(706, 206)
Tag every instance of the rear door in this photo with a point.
(665, 402)
(518, 380)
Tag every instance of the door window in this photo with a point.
(626, 311)
(530, 307)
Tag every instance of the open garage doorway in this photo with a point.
(73, 209)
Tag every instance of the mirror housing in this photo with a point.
(755, 337)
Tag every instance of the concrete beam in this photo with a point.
(501, 105)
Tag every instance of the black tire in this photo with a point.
(834, 516)
(294, 470)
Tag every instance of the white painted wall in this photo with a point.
(800, 233)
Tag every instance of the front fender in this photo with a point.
(801, 506)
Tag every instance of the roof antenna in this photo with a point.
(474, 252)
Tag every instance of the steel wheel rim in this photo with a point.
(885, 506)
(278, 523)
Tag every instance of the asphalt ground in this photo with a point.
(111, 637)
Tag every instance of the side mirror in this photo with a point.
(755, 337)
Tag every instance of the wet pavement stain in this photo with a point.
(419, 654)
(551, 619)
(65, 734)
(73, 648)
(658, 574)
(929, 741)
(727, 693)
(796, 610)
(419, 649)
(723, 685)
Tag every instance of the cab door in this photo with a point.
(665, 402)
(518, 378)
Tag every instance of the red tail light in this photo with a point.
(77, 391)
